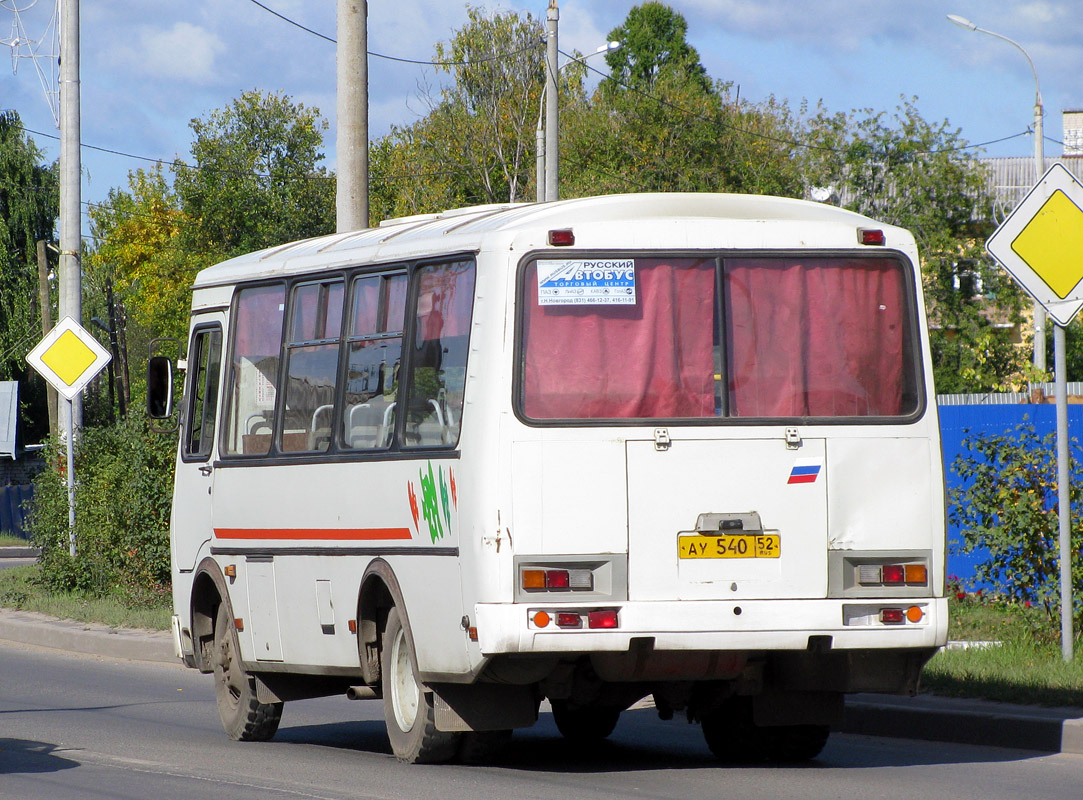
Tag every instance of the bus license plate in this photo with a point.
(741, 545)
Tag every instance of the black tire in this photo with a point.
(790, 743)
(734, 737)
(584, 724)
(408, 706)
(482, 747)
(244, 718)
(731, 735)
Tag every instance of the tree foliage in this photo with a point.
(1007, 506)
(477, 142)
(29, 198)
(125, 475)
(255, 180)
(653, 46)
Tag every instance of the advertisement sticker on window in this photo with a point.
(598, 282)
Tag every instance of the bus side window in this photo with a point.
(374, 350)
(445, 300)
(257, 339)
(312, 368)
(205, 357)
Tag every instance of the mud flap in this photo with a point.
(483, 707)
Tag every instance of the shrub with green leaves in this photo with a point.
(1007, 506)
(124, 484)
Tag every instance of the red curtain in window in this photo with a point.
(816, 338)
(259, 321)
(653, 359)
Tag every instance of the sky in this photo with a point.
(148, 67)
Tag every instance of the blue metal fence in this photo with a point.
(956, 420)
(14, 502)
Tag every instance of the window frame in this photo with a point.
(336, 451)
(191, 398)
(720, 255)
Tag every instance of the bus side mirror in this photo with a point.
(159, 387)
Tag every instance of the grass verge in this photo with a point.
(7, 540)
(19, 590)
(1024, 665)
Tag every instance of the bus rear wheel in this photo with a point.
(584, 724)
(408, 706)
(733, 737)
(243, 716)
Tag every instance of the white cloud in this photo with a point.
(184, 52)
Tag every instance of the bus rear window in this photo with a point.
(697, 338)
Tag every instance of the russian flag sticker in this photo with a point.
(805, 470)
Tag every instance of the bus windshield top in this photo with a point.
(749, 337)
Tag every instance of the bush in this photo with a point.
(1007, 506)
(124, 485)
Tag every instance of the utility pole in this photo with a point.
(1039, 170)
(552, 113)
(352, 108)
(71, 275)
(47, 325)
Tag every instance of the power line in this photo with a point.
(325, 37)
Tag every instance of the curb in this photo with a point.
(979, 722)
(41, 630)
(19, 552)
(926, 717)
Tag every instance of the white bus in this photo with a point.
(677, 446)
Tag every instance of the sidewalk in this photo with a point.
(1051, 730)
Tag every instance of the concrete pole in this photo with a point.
(552, 113)
(71, 277)
(352, 107)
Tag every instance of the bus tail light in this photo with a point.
(561, 237)
(602, 619)
(569, 619)
(537, 579)
(892, 616)
(893, 575)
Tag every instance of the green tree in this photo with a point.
(1007, 506)
(29, 199)
(653, 44)
(125, 474)
(139, 255)
(254, 181)
(476, 144)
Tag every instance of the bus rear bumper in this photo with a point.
(701, 625)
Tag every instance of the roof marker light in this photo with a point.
(873, 236)
(562, 237)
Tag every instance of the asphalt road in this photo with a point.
(86, 727)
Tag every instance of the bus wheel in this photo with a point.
(789, 743)
(584, 724)
(243, 716)
(408, 707)
(483, 747)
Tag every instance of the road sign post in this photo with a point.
(1041, 245)
(69, 358)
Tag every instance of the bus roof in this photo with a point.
(625, 218)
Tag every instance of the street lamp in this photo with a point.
(543, 164)
(1039, 168)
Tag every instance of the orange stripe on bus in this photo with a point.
(339, 534)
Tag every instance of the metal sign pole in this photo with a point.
(1064, 505)
(71, 481)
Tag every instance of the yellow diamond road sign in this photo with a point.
(1041, 244)
(68, 357)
